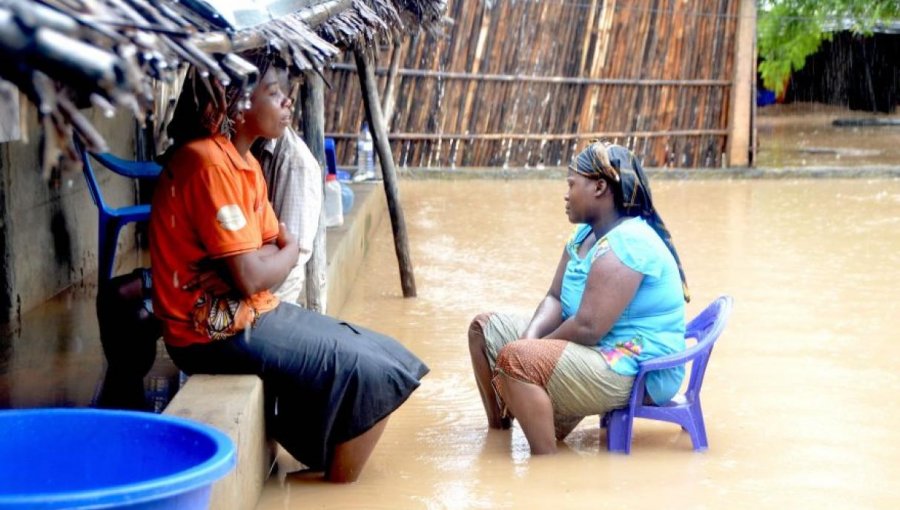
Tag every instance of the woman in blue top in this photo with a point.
(617, 299)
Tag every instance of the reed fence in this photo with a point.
(525, 83)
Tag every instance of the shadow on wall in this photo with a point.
(62, 239)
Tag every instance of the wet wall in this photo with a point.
(48, 226)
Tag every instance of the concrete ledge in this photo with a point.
(346, 246)
(233, 404)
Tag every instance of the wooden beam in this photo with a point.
(252, 39)
(312, 94)
(369, 88)
(528, 78)
(740, 120)
(544, 136)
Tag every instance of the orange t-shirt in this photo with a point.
(209, 204)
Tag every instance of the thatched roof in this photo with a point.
(66, 54)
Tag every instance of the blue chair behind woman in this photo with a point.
(112, 219)
(685, 408)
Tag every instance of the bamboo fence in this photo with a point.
(526, 83)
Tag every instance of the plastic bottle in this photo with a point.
(346, 198)
(334, 216)
(365, 154)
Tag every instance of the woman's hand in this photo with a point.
(548, 315)
(611, 285)
(285, 238)
(546, 318)
(266, 267)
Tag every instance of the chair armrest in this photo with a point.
(127, 168)
(674, 360)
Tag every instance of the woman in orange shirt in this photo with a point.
(216, 250)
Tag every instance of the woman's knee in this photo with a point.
(477, 341)
(513, 357)
(530, 361)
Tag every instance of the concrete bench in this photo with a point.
(233, 404)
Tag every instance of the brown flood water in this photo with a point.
(797, 398)
(798, 395)
(804, 135)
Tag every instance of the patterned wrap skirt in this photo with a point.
(576, 377)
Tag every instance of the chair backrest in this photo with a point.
(123, 167)
(127, 167)
(93, 185)
(706, 328)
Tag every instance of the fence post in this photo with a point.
(312, 94)
(740, 120)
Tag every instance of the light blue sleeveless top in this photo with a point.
(652, 324)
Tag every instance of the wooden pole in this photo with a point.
(523, 78)
(312, 16)
(369, 89)
(312, 94)
(744, 76)
(389, 99)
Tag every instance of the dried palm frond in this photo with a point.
(66, 54)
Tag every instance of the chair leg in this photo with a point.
(698, 432)
(108, 237)
(618, 431)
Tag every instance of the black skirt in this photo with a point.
(326, 381)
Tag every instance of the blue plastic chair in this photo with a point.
(330, 157)
(112, 219)
(685, 408)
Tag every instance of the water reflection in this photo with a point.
(802, 373)
(36, 368)
(803, 134)
(53, 358)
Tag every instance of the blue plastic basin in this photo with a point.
(92, 458)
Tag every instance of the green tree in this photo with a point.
(788, 31)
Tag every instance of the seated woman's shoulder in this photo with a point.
(196, 154)
(199, 148)
(639, 247)
(636, 230)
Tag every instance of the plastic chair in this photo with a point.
(330, 157)
(112, 219)
(684, 409)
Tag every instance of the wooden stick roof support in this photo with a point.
(312, 96)
(388, 100)
(369, 88)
